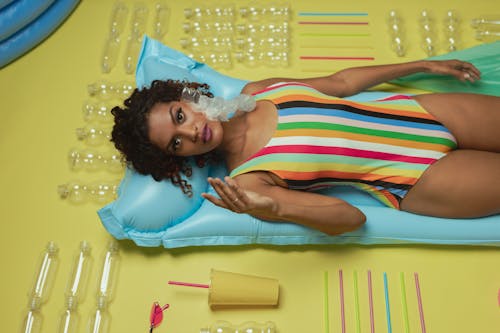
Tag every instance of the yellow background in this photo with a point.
(41, 98)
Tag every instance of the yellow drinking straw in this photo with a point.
(403, 302)
(325, 302)
(356, 302)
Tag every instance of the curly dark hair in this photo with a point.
(130, 133)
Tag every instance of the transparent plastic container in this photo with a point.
(246, 327)
(42, 286)
(100, 319)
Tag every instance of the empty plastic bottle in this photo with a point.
(246, 327)
(100, 320)
(40, 291)
(487, 22)
(75, 289)
(488, 36)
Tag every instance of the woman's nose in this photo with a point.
(191, 132)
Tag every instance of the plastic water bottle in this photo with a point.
(246, 327)
(488, 36)
(99, 112)
(100, 320)
(40, 291)
(75, 289)
(487, 22)
(93, 135)
(105, 90)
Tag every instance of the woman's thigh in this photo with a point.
(463, 184)
(473, 119)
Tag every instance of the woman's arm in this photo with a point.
(351, 81)
(255, 194)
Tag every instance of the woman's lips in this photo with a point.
(207, 134)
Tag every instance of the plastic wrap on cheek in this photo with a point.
(217, 108)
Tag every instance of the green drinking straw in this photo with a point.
(311, 34)
(403, 302)
(325, 302)
(356, 302)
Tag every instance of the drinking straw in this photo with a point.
(187, 284)
(356, 301)
(403, 301)
(387, 307)
(331, 23)
(334, 58)
(325, 302)
(331, 14)
(342, 311)
(420, 308)
(316, 34)
(336, 47)
(370, 301)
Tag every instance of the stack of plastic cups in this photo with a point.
(113, 40)
(42, 286)
(428, 33)
(396, 33)
(487, 27)
(452, 30)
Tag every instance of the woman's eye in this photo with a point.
(180, 116)
(176, 144)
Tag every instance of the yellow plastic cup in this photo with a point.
(228, 288)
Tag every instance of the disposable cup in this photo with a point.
(228, 288)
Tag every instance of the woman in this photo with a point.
(432, 154)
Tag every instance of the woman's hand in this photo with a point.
(462, 70)
(238, 200)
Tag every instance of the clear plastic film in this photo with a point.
(217, 108)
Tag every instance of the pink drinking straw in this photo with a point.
(370, 302)
(420, 307)
(334, 58)
(187, 284)
(342, 311)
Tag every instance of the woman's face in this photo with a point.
(178, 130)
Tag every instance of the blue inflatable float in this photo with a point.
(24, 24)
(157, 213)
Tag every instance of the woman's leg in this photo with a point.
(463, 184)
(473, 119)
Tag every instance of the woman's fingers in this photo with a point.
(231, 198)
(467, 71)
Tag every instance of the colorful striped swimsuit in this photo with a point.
(381, 146)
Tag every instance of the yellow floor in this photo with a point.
(41, 98)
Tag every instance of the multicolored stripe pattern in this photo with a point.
(381, 146)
